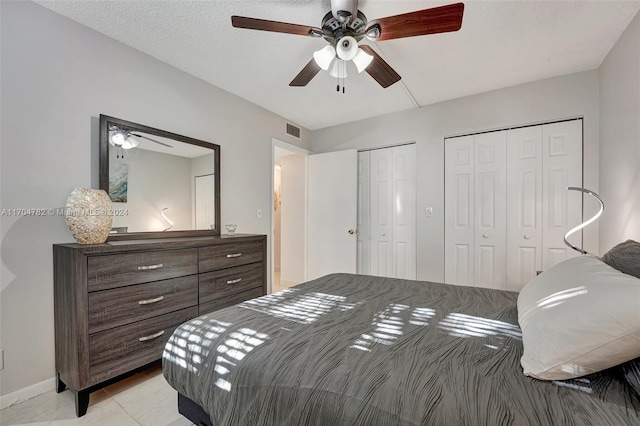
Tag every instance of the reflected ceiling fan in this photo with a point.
(344, 26)
(122, 138)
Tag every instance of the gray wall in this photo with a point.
(552, 99)
(620, 139)
(155, 181)
(57, 77)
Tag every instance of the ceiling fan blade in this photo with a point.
(308, 72)
(379, 69)
(152, 140)
(275, 26)
(441, 19)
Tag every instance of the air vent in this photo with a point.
(293, 131)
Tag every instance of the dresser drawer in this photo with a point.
(118, 270)
(217, 284)
(229, 255)
(122, 349)
(216, 304)
(124, 305)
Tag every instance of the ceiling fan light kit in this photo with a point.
(344, 26)
(362, 60)
(121, 139)
(339, 69)
(347, 48)
(325, 56)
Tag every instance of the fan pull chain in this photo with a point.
(344, 72)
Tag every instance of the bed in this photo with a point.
(360, 350)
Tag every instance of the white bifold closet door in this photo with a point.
(507, 205)
(542, 161)
(475, 203)
(387, 212)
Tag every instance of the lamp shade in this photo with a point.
(362, 60)
(117, 139)
(324, 56)
(347, 48)
(130, 143)
(339, 69)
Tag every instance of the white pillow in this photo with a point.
(579, 317)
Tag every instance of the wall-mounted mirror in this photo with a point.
(161, 184)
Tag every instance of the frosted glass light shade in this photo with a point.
(324, 56)
(362, 60)
(347, 48)
(117, 139)
(129, 143)
(339, 69)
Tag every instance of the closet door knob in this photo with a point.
(527, 237)
(485, 236)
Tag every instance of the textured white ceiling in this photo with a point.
(501, 43)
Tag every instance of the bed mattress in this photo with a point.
(359, 350)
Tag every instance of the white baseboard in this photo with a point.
(27, 393)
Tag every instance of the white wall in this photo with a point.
(620, 139)
(546, 100)
(57, 78)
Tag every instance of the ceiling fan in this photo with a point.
(122, 138)
(344, 26)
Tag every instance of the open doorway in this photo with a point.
(289, 215)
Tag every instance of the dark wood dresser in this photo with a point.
(116, 304)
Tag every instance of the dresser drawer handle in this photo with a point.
(150, 267)
(149, 301)
(151, 337)
(234, 255)
(234, 281)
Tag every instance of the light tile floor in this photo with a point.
(142, 399)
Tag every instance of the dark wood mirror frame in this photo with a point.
(104, 175)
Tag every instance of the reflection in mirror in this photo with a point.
(158, 181)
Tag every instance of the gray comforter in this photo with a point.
(360, 350)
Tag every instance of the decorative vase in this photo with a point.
(89, 215)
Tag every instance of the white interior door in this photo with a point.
(364, 213)
(404, 212)
(382, 212)
(205, 205)
(459, 210)
(562, 167)
(524, 207)
(490, 207)
(332, 213)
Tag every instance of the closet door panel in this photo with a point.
(524, 205)
(562, 167)
(459, 210)
(404, 212)
(381, 213)
(364, 213)
(490, 210)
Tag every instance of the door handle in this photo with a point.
(485, 236)
(527, 237)
(352, 231)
